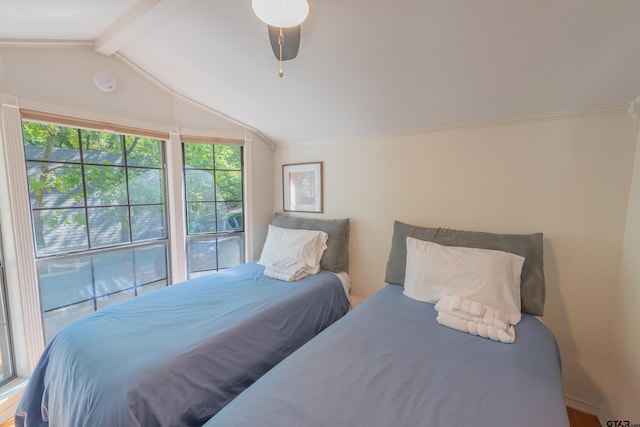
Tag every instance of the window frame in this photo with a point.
(5, 317)
(90, 252)
(191, 237)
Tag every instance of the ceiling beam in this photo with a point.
(145, 16)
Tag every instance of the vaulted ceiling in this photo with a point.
(364, 67)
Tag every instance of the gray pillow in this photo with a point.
(532, 286)
(336, 257)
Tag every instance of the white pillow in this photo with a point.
(490, 277)
(300, 245)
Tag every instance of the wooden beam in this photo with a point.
(144, 17)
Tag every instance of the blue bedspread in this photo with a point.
(389, 363)
(174, 357)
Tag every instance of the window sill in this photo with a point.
(10, 396)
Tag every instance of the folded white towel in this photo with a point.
(507, 336)
(287, 265)
(472, 310)
(286, 269)
(285, 276)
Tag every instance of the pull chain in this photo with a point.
(281, 43)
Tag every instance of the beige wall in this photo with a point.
(56, 78)
(622, 392)
(566, 176)
(261, 195)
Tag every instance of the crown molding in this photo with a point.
(509, 121)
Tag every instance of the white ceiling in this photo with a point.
(364, 67)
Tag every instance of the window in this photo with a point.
(98, 215)
(214, 207)
(6, 355)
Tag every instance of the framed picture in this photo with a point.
(302, 187)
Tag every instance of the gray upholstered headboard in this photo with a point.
(532, 283)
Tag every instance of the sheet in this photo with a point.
(174, 357)
(389, 363)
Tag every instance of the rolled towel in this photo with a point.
(476, 309)
(496, 318)
(475, 328)
(507, 336)
(472, 310)
(467, 306)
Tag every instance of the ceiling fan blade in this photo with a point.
(291, 41)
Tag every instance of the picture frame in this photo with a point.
(302, 187)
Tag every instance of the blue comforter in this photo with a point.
(176, 356)
(389, 363)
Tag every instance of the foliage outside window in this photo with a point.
(6, 356)
(98, 215)
(214, 207)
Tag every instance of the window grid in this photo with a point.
(136, 286)
(213, 248)
(76, 280)
(86, 207)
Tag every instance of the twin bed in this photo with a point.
(386, 363)
(176, 356)
(390, 363)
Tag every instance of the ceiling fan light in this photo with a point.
(281, 13)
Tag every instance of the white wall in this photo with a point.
(566, 176)
(622, 392)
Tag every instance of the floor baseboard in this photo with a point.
(581, 406)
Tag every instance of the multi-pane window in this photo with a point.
(98, 215)
(6, 355)
(214, 207)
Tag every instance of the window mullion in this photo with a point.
(176, 212)
(84, 188)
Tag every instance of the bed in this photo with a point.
(175, 356)
(390, 363)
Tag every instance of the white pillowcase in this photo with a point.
(300, 245)
(488, 276)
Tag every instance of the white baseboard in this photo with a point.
(581, 406)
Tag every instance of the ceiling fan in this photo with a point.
(283, 19)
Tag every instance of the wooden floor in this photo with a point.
(576, 419)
